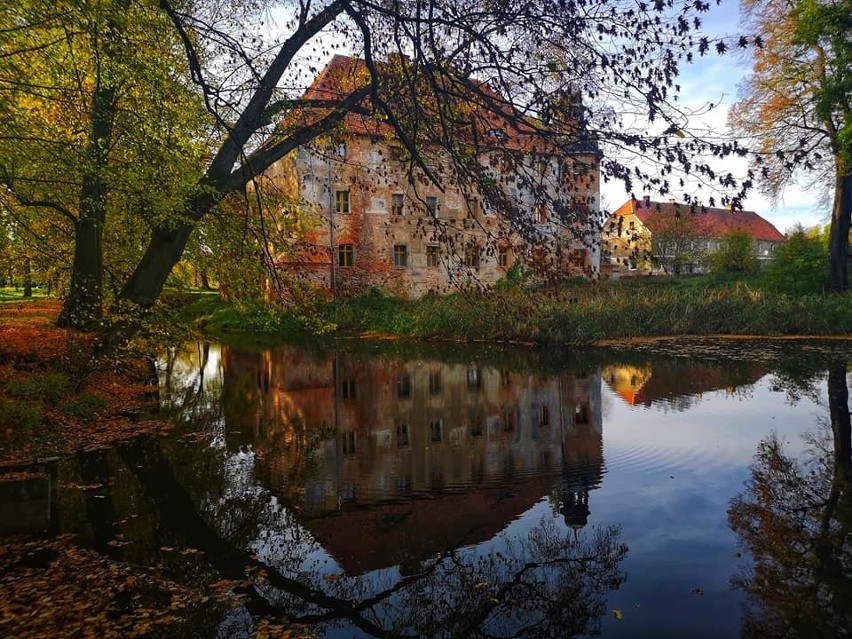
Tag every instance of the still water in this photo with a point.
(462, 493)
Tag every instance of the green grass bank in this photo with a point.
(578, 313)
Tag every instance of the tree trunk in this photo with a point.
(164, 251)
(205, 281)
(83, 307)
(838, 239)
(28, 278)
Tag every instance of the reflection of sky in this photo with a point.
(670, 476)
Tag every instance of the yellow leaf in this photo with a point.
(618, 614)
(481, 584)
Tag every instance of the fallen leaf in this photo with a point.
(618, 614)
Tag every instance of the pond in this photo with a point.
(374, 491)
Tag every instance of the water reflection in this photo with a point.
(795, 520)
(678, 385)
(399, 495)
(390, 460)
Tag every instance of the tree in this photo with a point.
(796, 105)
(99, 134)
(676, 244)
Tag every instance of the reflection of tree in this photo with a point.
(547, 581)
(794, 519)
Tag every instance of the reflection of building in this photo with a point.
(674, 384)
(401, 460)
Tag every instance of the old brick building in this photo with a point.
(379, 220)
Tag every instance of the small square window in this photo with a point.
(402, 436)
(400, 255)
(503, 257)
(340, 149)
(471, 257)
(403, 386)
(432, 206)
(434, 382)
(341, 201)
(508, 420)
(345, 255)
(349, 442)
(436, 431)
(347, 389)
(541, 214)
(397, 204)
(432, 255)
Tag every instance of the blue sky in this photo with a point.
(715, 79)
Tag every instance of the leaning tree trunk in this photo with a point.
(838, 240)
(83, 307)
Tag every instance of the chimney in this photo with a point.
(646, 200)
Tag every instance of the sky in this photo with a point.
(714, 79)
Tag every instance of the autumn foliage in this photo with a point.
(55, 398)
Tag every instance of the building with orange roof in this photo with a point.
(382, 222)
(631, 241)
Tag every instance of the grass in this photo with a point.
(11, 295)
(577, 313)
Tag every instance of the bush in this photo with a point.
(735, 255)
(799, 265)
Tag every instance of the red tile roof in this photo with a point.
(343, 74)
(711, 222)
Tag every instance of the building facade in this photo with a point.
(381, 220)
(643, 236)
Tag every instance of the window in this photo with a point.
(402, 436)
(544, 416)
(476, 427)
(432, 206)
(347, 389)
(578, 257)
(474, 378)
(345, 255)
(403, 386)
(541, 216)
(471, 257)
(340, 149)
(432, 255)
(397, 204)
(632, 225)
(341, 201)
(472, 207)
(436, 431)
(508, 420)
(503, 257)
(400, 255)
(434, 382)
(349, 442)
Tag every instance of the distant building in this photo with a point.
(378, 222)
(644, 236)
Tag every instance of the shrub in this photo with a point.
(799, 265)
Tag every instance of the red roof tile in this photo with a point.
(344, 74)
(711, 221)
